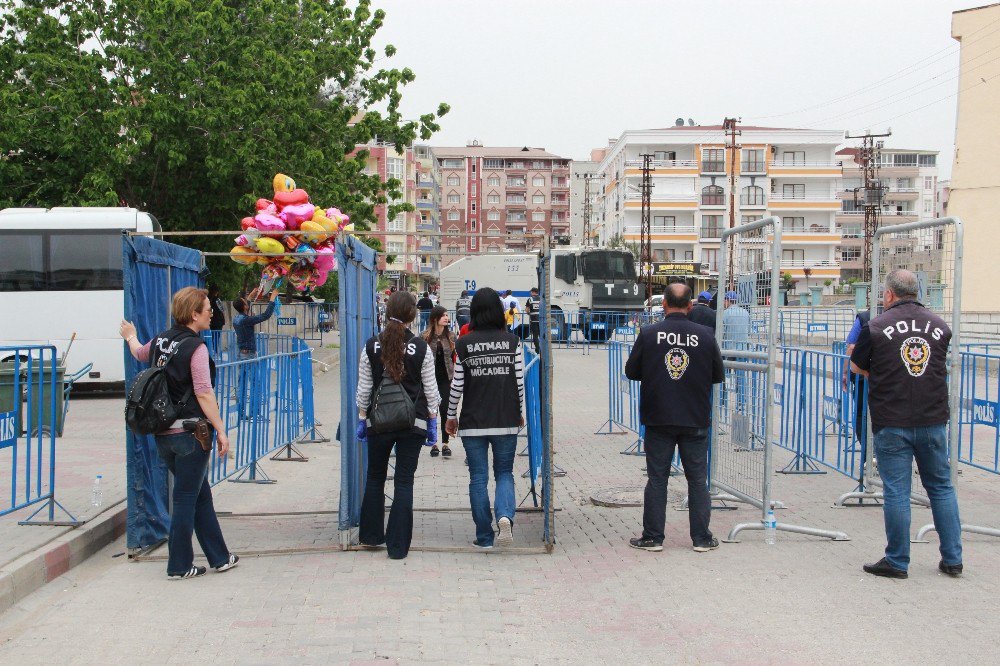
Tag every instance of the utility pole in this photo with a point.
(588, 211)
(871, 195)
(733, 148)
(646, 236)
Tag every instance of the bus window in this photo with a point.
(85, 262)
(22, 265)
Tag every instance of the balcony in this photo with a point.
(713, 166)
(517, 201)
(753, 167)
(425, 204)
(825, 199)
(517, 222)
(517, 184)
(659, 165)
(664, 200)
(711, 232)
(809, 263)
(662, 232)
(889, 216)
(902, 194)
(559, 203)
(806, 165)
(426, 183)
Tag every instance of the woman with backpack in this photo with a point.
(489, 382)
(441, 344)
(397, 407)
(190, 373)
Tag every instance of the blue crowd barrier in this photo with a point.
(532, 406)
(814, 326)
(979, 409)
(30, 415)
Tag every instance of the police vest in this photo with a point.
(413, 360)
(908, 384)
(179, 344)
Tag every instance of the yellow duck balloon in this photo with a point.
(283, 183)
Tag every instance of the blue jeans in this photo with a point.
(462, 320)
(425, 317)
(399, 532)
(895, 450)
(193, 510)
(477, 450)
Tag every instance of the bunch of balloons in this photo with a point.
(302, 233)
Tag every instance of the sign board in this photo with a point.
(779, 392)
(817, 328)
(597, 326)
(670, 268)
(984, 412)
(8, 429)
(286, 321)
(391, 275)
(624, 330)
(831, 409)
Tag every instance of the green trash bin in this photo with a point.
(41, 396)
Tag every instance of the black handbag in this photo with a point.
(392, 408)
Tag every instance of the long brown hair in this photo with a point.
(400, 310)
(436, 313)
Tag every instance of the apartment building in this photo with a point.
(792, 173)
(909, 179)
(428, 204)
(500, 199)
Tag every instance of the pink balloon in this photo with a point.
(321, 278)
(242, 240)
(269, 224)
(296, 214)
(326, 260)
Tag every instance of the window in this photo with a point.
(851, 230)
(493, 249)
(516, 182)
(752, 195)
(63, 261)
(395, 247)
(658, 255)
(851, 183)
(453, 163)
(398, 223)
(516, 199)
(794, 157)
(904, 159)
(928, 160)
(394, 168)
(493, 230)
(665, 222)
(518, 216)
(492, 163)
(493, 215)
(454, 180)
(713, 160)
(710, 257)
(850, 254)
(794, 191)
(475, 190)
(796, 256)
(473, 207)
(453, 249)
(793, 224)
(712, 195)
(493, 198)
(538, 216)
(538, 198)
(928, 206)
(493, 181)
(711, 226)
(515, 164)
(753, 161)
(664, 155)
(454, 198)
(747, 219)
(539, 164)
(688, 255)
(454, 215)
(538, 181)
(928, 182)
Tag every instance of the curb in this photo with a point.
(29, 572)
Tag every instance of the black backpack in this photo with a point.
(148, 407)
(392, 408)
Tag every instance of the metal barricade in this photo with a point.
(741, 450)
(814, 326)
(30, 399)
(979, 411)
(307, 321)
(623, 398)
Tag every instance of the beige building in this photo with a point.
(974, 192)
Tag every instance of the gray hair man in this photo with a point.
(903, 353)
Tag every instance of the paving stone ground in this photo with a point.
(803, 600)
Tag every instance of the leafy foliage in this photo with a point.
(187, 108)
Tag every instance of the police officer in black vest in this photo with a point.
(677, 362)
(903, 353)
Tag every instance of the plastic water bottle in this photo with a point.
(770, 528)
(96, 495)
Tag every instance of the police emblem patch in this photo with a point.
(915, 353)
(677, 362)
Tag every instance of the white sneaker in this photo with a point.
(506, 529)
(230, 563)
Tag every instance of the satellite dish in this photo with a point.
(690, 123)
(679, 122)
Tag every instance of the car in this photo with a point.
(654, 305)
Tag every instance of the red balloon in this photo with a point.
(282, 199)
(262, 204)
(247, 223)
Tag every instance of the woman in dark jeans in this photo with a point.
(191, 373)
(441, 344)
(399, 354)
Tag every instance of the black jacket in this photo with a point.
(677, 362)
(413, 363)
(177, 345)
(905, 351)
(425, 304)
(704, 315)
(489, 381)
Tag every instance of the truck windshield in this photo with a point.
(607, 265)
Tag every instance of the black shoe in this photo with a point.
(445, 451)
(706, 546)
(883, 568)
(193, 572)
(482, 546)
(435, 451)
(645, 544)
(229, 564)
(953, 570)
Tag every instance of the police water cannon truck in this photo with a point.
(593, 290)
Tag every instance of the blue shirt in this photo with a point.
(735, 327)
(852, 337)
(243, 325)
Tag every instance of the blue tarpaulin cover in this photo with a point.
(153, 271)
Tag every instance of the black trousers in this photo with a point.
(534, 334)
(444, 390)
(373, 530)
(660, 443)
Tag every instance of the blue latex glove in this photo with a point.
(432, 431)
(362, 431)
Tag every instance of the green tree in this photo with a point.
(186, 109)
